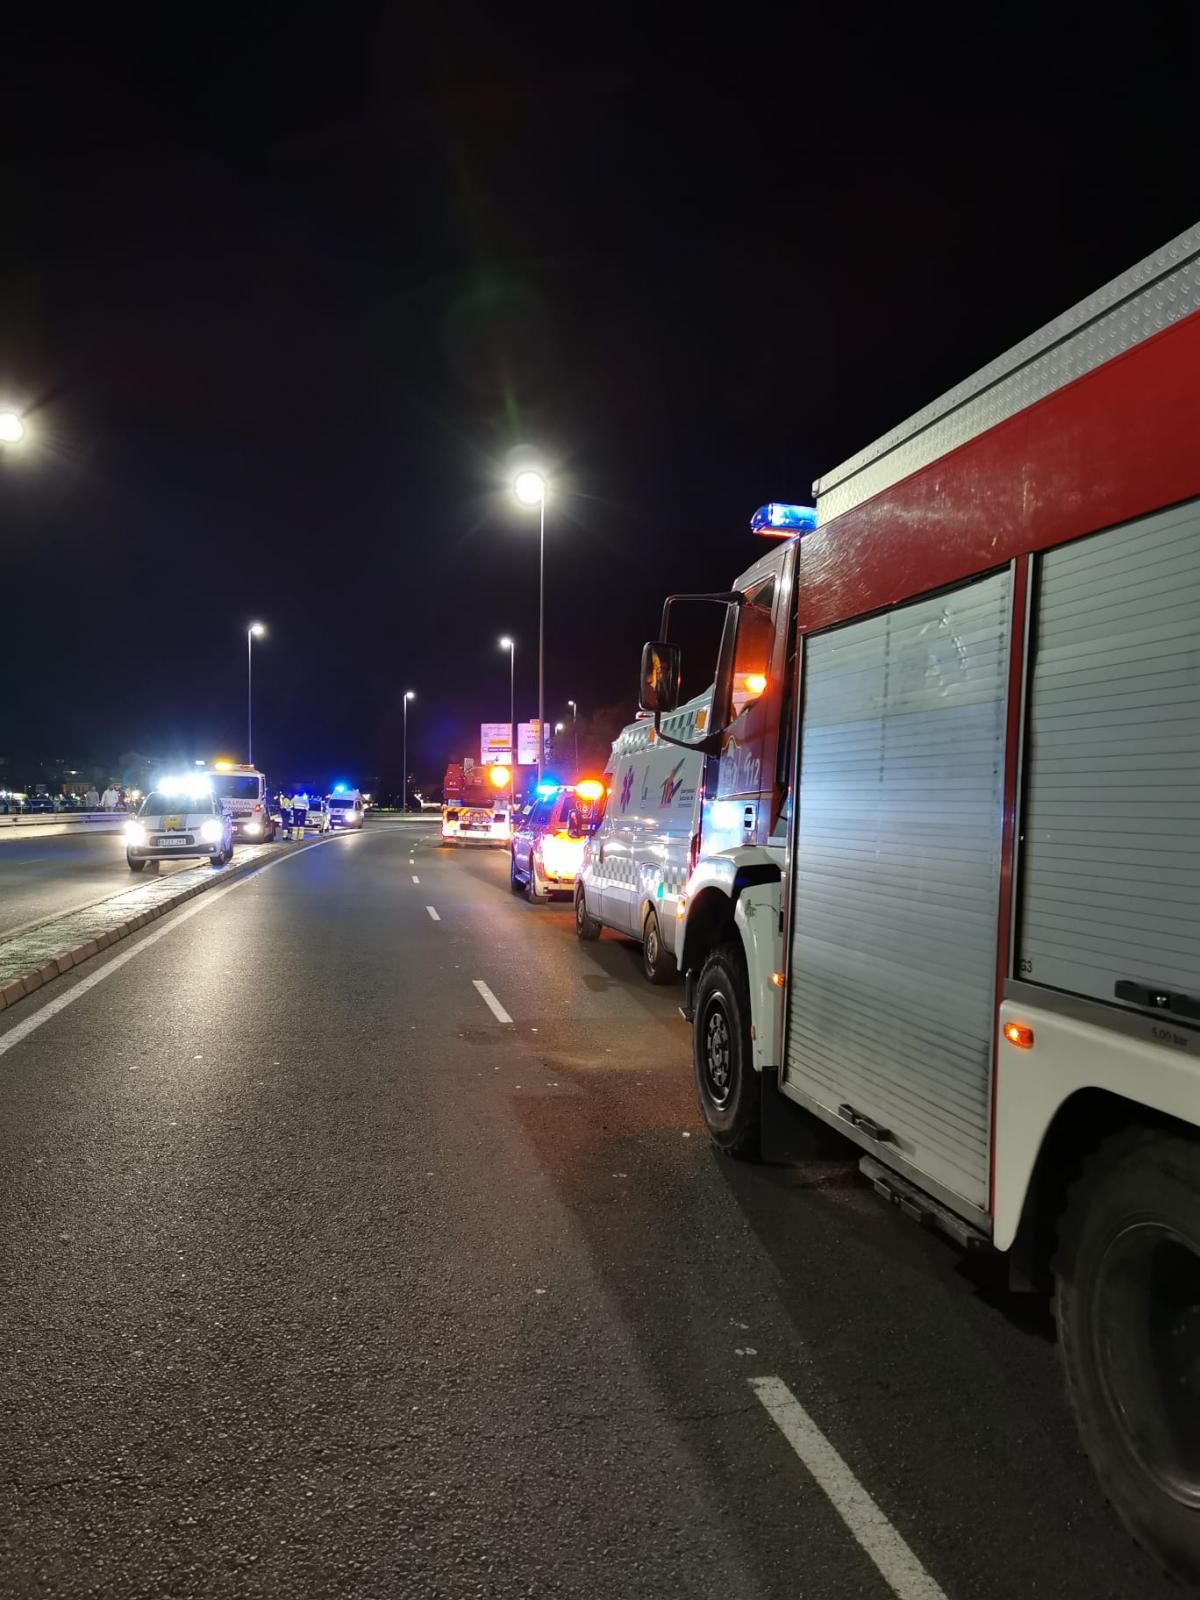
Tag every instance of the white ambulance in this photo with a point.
(637, 859)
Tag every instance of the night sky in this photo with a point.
(286, 289)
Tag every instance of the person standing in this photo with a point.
(91, 799)
(109, 798)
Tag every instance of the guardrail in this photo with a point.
(45, 824)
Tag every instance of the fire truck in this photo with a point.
(946, 897)
(476, 803)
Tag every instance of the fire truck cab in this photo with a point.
(947, 898)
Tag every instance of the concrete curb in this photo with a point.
(48, 955)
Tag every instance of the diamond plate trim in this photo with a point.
(1161, 290)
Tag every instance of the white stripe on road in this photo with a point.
(415, 878)
(490, 1000)
(433, 913)
(878, 1538)
(171, 920)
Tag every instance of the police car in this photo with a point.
(177, 821)
(548, 838)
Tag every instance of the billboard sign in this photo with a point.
(527, 738)
(495, 743)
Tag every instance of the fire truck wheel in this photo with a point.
(727, 1085)
(586, 925)
(1127, 1300)
(657, 961)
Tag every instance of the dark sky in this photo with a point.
(285, 288)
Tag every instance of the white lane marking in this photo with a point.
(171, 921)
(433, 913)
(415, 878)
(491, 1002)
(870, 1527)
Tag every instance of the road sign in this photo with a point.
(527, 743)
(495, 743)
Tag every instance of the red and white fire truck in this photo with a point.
(477, 804)
(947, 895)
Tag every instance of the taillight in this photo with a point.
(257, 809)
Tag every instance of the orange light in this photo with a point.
(778, 980)
(755, 682)
(1019, 1034)
(499, 776)
(589, 789)
(223, 766)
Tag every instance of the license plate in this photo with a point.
(170, 839)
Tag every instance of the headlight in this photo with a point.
(210, 831)
(254, 827)
(134, 833)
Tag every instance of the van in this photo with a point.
(638, 856)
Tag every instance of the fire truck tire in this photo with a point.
(586, 925)
(1127, 1301)
(657, 961)
(727, 1086)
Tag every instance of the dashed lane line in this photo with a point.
(432, 912)
(415, 878)
(906, 1576)
(491, 1002)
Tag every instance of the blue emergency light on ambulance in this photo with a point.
(779, 521)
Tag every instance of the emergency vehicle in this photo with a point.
(476, 803)
(947, 899)
(642, 838)
(243, 792)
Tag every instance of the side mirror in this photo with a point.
(662, 676)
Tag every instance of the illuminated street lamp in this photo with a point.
(12, 429)
(511, 646)
(575, 733)
(254, 631)
(409, 694)
(530, 490)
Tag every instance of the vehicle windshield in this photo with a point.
(235, 785)
(161, 801)
(341, 802)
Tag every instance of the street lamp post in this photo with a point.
(575, 734)
(254, 631)
(511, 646)
(409, 694)
(530, 489)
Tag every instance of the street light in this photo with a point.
(530, 489)
(12, 429)
(511, 646)
(254, 631)
(575, 733)
(409, 694)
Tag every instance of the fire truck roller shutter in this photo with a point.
(893, 959)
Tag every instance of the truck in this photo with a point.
(946, 899)
(476, 803)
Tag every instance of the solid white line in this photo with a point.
(171, 920)
(878, 1538)
(433, 913)
(490, 1000)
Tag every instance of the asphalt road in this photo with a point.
(320, 1280)
(48, 877)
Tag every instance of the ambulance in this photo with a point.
(947, 894)
(642, 846)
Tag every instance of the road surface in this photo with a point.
(48, 877)
(320, 1279)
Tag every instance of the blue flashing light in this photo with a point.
(339, 788)
(782, 521)
(547, 787)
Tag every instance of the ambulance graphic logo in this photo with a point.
(626, 789)
(673, 784)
